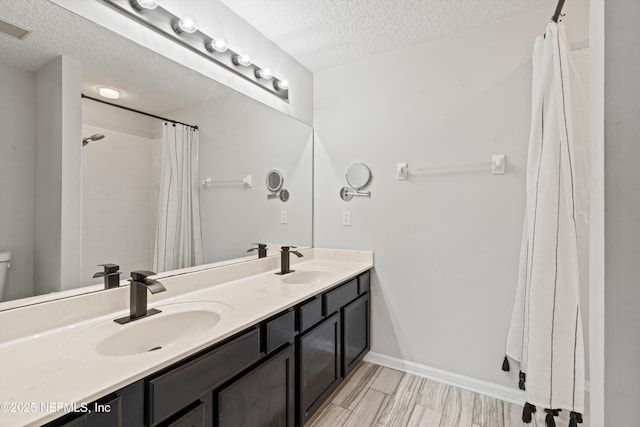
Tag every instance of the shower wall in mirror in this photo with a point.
(115, 194)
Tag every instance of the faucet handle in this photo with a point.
(141, 275)
(285, 250)
(260, 246)
(109, 269)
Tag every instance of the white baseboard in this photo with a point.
(498, 391)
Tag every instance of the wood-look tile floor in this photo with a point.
(376, 396)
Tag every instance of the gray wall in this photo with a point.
(17, 145)
(622, 211)
(239, 136)
(596, 232)
(446, 246)
(71, 150)
(57, 226)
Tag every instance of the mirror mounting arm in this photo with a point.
(347, 193)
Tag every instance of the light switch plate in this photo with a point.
(498, 164)
(346, 218)
(283, 217)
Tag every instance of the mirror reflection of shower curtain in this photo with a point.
(178, 233)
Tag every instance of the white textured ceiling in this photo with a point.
(149, 82)
(318, 33)
(322, 34)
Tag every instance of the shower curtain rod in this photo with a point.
(556, 14)
(137, 111)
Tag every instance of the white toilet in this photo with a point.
(5, 262)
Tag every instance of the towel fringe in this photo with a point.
(575, 419)
(528, 412)
(523, 380)
(505, 365)
(549, 421)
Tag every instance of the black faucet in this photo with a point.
(111, 275)
(285, 261)
(140, 284)
(262, 249)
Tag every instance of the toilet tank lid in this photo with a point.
(5, 256)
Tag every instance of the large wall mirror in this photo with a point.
(80, 181)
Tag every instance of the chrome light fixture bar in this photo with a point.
(215, 49)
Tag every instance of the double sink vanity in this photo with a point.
(237, 345)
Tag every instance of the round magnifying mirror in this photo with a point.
(284, 194)
(274, 180)
(358, 175)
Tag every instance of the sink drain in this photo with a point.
(154, 348)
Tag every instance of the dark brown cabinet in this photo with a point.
(110, 418)
(277, 373)
(319, 365)
(265, 397)
(124, 408)
(355, 333)
(198, 415)
(170, 392)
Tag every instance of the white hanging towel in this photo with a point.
(545, 334)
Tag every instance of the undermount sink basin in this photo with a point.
(156, 333)
(308, 277)
(176, 324)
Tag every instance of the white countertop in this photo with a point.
(38, 369)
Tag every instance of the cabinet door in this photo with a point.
(121, 408)
(174, 390)
(319, 365)
(265, 397)
(196, 417)
(111, 417)
(355, 332)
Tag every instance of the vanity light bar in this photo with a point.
(165, 23)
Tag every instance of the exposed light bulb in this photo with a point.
(108, 92)
(244, 60)
(217, 45)
(186, 24)
(145, 4)
(281, 84)
(264, 73)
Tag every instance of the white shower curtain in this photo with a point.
(178, 235)
(545, 334)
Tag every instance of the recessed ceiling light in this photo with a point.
(108, 92)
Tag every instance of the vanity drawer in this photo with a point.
(340, 297)
(363, 282)
(174, 390)
(279, 331)
(310, 313)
